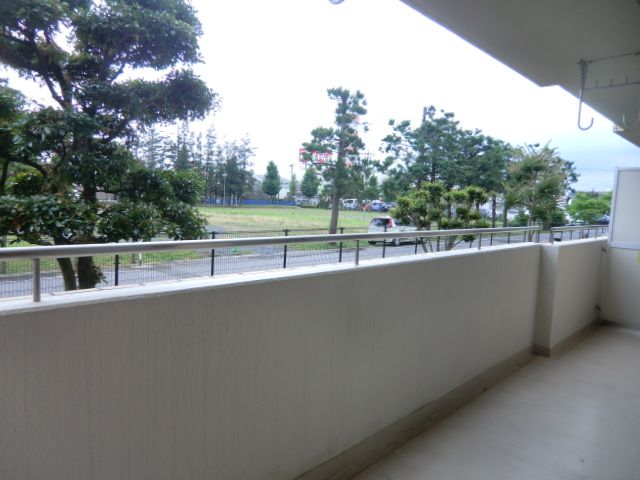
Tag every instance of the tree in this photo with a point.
(293, 186)
(429, 152)
(449, 209)
(537, 179)
(440, 150)
(79, 146)
(271, 183)
(342, 139)
(154, 148)
(11, 109)
(589, 207)
(364, 182)
(310, 183)
(488, 169)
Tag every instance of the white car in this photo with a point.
(388, 224)
(350, 204)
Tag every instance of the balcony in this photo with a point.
(308, 373)
(494, 362)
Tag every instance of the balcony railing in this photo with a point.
(350, 243)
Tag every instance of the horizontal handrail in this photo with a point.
(88, 250)
(577, 227)
(35, 254)
(573, 228)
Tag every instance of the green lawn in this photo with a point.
(278, 218)
(227, 219)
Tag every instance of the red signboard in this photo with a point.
(315, 158)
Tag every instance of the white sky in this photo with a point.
(272, 61)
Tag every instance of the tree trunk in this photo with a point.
(68, 274)
(505, 207)
(494, 206)
(335, 210)
(87, 275)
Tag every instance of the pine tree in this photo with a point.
(310, 183)
(271, 183)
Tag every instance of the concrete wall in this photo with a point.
(262, 378)
(621, 297)
(569, 291)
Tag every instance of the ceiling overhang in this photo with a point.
(545, 39)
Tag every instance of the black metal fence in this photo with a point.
(152, 267)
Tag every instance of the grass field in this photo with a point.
(278, 218)
(226, 219)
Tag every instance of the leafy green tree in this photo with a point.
(344, 140)
(293, 186)
(364, 182)
(310, 183)
(537, 179)
(78, 147)
(439, 150)
(589, 207)
(486, 167)
(433, 203)
(154, 148)
(11, 108)
(429, 152)
(232, 169)
(271, 184)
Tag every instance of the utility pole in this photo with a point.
(224, 188)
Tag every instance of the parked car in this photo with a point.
(390, 205)
(350, 204)
(389, 224)
(377, 206)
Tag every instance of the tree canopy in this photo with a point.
(271, 184)
(589, 207)
(310, 183)
(538, 178)
(344, 140)
(79, 146)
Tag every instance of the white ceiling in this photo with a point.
(544, 40)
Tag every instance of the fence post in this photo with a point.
(213, 255)
(538, 234)
(357, 256)
(479, 240)
(3, 264)
(491, 239)
(384, 244)
(340, 247)
(36, 280)
(116, 271)
(415, 250)
(284, 263)
(551, 235)
(508, 238)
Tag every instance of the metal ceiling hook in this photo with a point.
(584, 66)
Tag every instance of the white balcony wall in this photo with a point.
(569, 291)
(261, 379)
(622, 287)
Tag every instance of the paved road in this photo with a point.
(228, 261)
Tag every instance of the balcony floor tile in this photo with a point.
(573, 417)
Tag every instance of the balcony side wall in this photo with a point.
(257, 380)
(569, 292)
(621, 299)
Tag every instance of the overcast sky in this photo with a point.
(271, 61)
